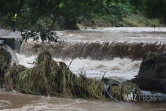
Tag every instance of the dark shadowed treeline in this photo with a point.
(65, 14)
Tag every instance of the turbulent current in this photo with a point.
(117, 68)
(113, 52)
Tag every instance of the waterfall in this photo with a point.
(97, 50)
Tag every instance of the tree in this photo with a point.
(155, 9)
(117, 9)
(68, 11)
(71, 11)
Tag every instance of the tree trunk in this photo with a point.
(70, 24)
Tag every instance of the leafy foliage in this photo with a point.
(67, 13)
(155, 8)
(50, 36)
(118, 10)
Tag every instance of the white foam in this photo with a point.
(122, 68)
(26, 61)
(129, 29)
(51, 105)
(116, 34)
(4, 101)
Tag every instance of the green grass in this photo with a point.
(128, 20)
(140, 21)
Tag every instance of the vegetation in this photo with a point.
(4, 63)
(65, 14)
(138, 20)
(49, 77)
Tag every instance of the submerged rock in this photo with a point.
(152, 73)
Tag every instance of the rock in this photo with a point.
(152, 73)
(109, 82)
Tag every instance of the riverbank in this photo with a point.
(129, 20)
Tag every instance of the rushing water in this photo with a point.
(94, 64)
(125, 34)
(12, 101)
(116, 68)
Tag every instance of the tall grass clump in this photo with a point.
(4, 62)
(49, 77)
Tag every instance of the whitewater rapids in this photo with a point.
(112, 52)
(118, 66)
(124, 69)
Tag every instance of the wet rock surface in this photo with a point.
(152, 73)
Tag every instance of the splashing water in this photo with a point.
(116, 68)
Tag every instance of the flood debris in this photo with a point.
(49, 77)
(4, 63)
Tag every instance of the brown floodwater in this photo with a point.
(12, 101)
(126, 37)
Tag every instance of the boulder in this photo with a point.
(152, 73)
